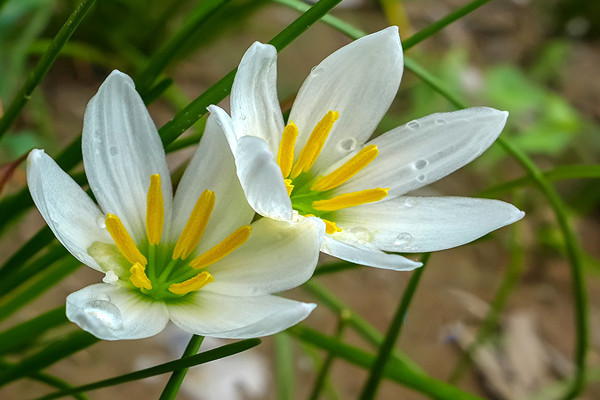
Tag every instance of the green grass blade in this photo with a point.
(176, 379)
(44, 64)
(334, 267)
(284, 367)
(43, 282)
(169, 49)
(207, 356)
(27, 251)
(395, 370)
(26, 332)
(54, 352)
(386, 348)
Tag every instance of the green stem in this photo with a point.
(284, 367)
(376, 373)
(176, 379)
(334, 267)
(510, 281)
(326, 367)
(44, 64)
(204, 357)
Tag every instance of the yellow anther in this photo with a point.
(331, 227)
(155, 210)
(314, 144)
(221, 250)
(194, 229)
(124, 242)
(285, 155)
(350, 199)
(139, 278)
(288, 186)
(192, 284)
(346, 171)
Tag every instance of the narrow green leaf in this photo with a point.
(54, 352)
(176, 379)
(284, 367)
(207, 356)
(43, 282)
(44, 64)
(334, 267)
(170, 48)
(27, 251)
(395, 369)
(26, 332)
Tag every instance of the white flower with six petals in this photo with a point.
(322, 164)
(195, 258)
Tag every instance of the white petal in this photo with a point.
(425, 150)
(360, 81)
(113, 313)
(277, 257)
(366, 254)
(121, 149)
(261, 179)
(422, 224)
(254, 105)
(211, 314)
(73, 217)
(212, 168)
(226, 124)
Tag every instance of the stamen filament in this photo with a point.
(155, 210)
(192, 284)
(285, 155)
(346, 171)
(194, 229)
(123, 240)
(221, 250)
(139, 278)
(350, 199)
(314, 144)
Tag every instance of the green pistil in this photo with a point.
(302, 197)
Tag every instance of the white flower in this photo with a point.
(158, 263)
(321, 163)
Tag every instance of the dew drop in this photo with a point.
(362, 234)
(316, 70)
(421, 164)
(347, 144)
(421, 178)
(101, 222)
(408, 203)
(403, 238)
(243, 117)
(113, 150)
(440, 121)
(104, 313)
(413, 124)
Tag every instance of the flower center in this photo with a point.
(161, 270)
(315, 196)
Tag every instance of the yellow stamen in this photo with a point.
(288, 186)
(123, 240)
(285, 156)
(221, 250)
(139, 278)
(155, 210)
(346, 171)
(194, 229)
(350, 199)
(192, 284)
(331, 227)
(314, 144)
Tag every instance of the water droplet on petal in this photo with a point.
(362, 234)
(113, 150)
(104, 313)
(316, 70)
(101, 222)
(347, 144)
(408, 203)
(413, 124)
(421, 178)
(403, 238)
(421, 164)
(243, 117)
(440, 121)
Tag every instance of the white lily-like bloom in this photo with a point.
(322, 164)
(196, 259)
